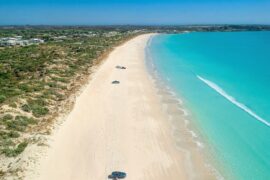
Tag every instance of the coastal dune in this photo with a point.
(118, 127)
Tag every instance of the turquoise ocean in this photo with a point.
(223, 79)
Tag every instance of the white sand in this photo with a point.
(117, 127)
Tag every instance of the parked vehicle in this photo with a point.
(117, 175)
(116, 82)
(120, 67)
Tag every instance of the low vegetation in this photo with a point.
(35, 79)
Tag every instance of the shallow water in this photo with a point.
(224, 81)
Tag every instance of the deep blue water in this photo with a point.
(224, 80)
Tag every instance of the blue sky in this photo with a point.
(98, 12)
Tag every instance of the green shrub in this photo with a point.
(7, 117)
(2, 98)
(21, 147)
(13, 152)
(39, 111)
(7, 142)
(25, 120)
(26, 108)
(14, 125)
(38, 107)
(52, 84)
(58, 96)
(24, 87)
(10, 134)
(13, 134)
(60, 79)
(2, 173)
(13, 105)
(20, 123)
(63, 87)
(38, 87)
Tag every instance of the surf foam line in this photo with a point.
(233, 100)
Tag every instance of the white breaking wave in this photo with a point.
(233, 100)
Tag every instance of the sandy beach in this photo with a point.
(122, 127)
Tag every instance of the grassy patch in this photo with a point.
(2, 98)
(38, 107)
(13, 152)
(26, 108)
(10, 134)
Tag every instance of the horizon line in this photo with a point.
(191, 24)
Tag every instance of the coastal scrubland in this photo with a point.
(37, 80)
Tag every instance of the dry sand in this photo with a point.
(121, 127)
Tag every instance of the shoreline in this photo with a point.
(216, 96)
(174, 106)
(89, 142)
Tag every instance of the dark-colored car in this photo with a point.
(116, 82)
(117, 175)
(120, 67)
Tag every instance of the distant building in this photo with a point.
(18, 41)
(8, 41)
(111, 34)
(35, 41)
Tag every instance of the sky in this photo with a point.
(133, 12)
